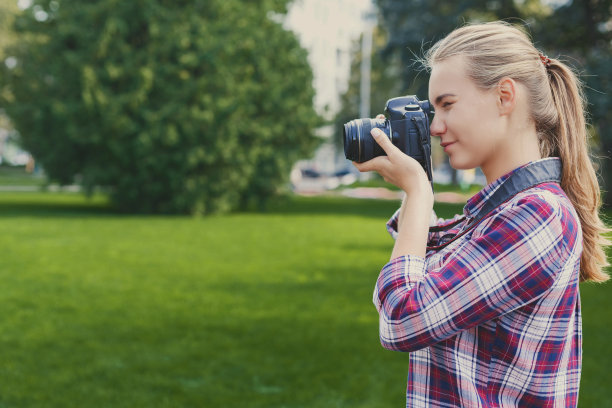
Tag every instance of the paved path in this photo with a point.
(380, 193)
(72, 189)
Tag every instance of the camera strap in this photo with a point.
(425, 141)
(524, 178)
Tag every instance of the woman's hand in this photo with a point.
(405, 172)
(397, 167)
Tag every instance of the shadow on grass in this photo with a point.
(338, 205)
(49, 204)
(41, 204)
(332, 205)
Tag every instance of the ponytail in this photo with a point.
(578, 180)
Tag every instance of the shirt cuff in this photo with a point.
(392, 224)
(399, 275)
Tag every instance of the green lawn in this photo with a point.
(242, 310)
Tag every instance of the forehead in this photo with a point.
(448, 76)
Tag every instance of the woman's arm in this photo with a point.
(512, 259)
(413, 223)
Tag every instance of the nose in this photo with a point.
(437, 127)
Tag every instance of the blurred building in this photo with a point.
(328, 30)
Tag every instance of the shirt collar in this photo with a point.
(476, 202)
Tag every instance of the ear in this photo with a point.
(506, 95)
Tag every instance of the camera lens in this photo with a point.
(352, 138)
(359, 145)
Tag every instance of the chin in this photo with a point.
(458, 164)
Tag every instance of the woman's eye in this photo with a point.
(446, 104)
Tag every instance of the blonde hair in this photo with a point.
(496, 50)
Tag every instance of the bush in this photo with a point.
(172, 106)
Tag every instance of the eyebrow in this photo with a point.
(440, 97)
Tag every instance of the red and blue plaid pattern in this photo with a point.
(492, 319)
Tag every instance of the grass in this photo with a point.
(242, 310)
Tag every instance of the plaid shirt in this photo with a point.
(492, 319)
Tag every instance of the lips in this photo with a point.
(446, 144)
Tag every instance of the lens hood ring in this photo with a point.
(359, 143)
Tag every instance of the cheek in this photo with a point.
(477, 126)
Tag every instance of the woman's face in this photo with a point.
(467, 119)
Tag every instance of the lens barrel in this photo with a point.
(359, 145)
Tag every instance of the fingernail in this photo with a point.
(376, 132)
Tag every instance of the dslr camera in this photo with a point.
(406, 123)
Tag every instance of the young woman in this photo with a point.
(488, 303)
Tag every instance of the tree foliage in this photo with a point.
(173, 106)
(414, 26)
(8, 10)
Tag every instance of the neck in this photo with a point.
(517, 152)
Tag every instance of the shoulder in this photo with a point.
(546, 201)
(543, 211)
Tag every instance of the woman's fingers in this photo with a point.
(383, 141)
(380, 163)
(395, 167)
(375, 164)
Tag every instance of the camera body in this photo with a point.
(406, 123)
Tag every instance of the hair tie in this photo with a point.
(545, 60)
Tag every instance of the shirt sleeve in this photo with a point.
(512, 258)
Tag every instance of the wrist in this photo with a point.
(415, 213)
(420, 195)
(416, 183)
(413, 228)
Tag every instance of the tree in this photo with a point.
(8, 10)
(415, 25)
(172, 106)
